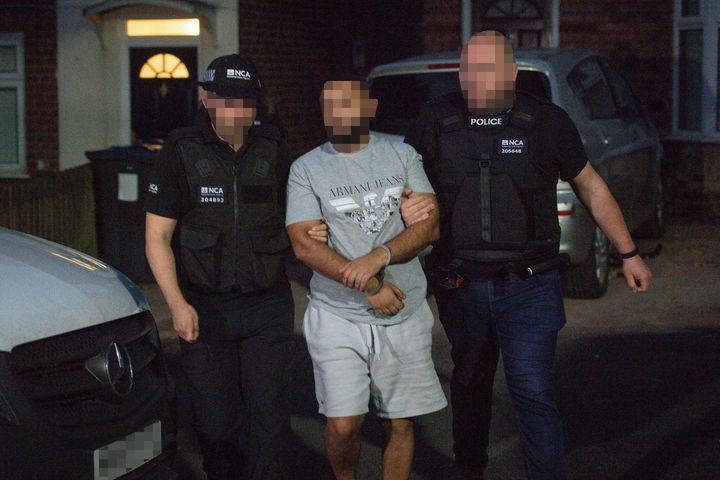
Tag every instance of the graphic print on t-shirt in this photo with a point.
(373, 214)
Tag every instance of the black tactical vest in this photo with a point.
(233, 238)
(500, 190)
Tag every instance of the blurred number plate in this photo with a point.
(119, 458)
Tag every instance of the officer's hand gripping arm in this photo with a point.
(417, 236)
(415, 206)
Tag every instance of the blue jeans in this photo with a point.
(519, 318)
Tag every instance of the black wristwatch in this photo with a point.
(634, 253)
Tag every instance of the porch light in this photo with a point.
(163, 27)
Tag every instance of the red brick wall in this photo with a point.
(299, 45)
(37, 21)
(636, 35)
(390, 29)
(295, 45)
(441, 25)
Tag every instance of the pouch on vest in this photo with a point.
(201, 256)
(270, 245)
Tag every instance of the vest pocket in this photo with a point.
(200, 256)
(270, 245)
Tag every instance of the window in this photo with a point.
(513, 8)
(627, 103)
(696, 80)
(588, 83)
(401, 96)
(12, 99)
(163, 27)
(533, 82)
(690, 8)
(164, 65)
(690, 80)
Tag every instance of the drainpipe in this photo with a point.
(555, 23)
(465, 20)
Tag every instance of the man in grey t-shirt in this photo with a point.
(368, 325)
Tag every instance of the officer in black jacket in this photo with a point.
(494, 156)
(216, 243)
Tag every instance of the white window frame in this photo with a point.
(16, 80)
(708, 22)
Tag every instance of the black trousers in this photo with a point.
(238, 373)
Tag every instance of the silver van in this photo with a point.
(620, 140)
(84, 391)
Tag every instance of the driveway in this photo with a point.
(638, 380)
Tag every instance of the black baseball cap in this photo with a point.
(232, 76)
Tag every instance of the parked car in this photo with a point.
(620, 140)
(84, 391)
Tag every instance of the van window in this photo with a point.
(401, 96)
(588, 83)
(628, 104)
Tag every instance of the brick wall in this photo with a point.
(37, 22)
(441, 25)
(390, 29)
(636, 35)
(294, 45)
(299, 45)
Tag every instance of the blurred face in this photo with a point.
(347, 109)
(487, 73)
(231, 117)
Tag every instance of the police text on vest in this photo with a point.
(486, 122)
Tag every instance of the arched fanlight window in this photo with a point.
(512, 8)
(164, 65)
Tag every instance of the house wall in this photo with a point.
(93, 64)
(441, 25)
(299, 45)
(37, 22)
(636, 35)
(692, 178)
(294, 46)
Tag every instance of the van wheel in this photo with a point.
(589, 279)
(655, 227)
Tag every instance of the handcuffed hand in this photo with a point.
(356, 273)
(388, 301)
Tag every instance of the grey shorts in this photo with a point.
(355, 362)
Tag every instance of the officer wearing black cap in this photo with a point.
(494, 156)
(216, 243)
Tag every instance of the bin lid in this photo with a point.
(130, 153)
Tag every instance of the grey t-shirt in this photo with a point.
(358, 195)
